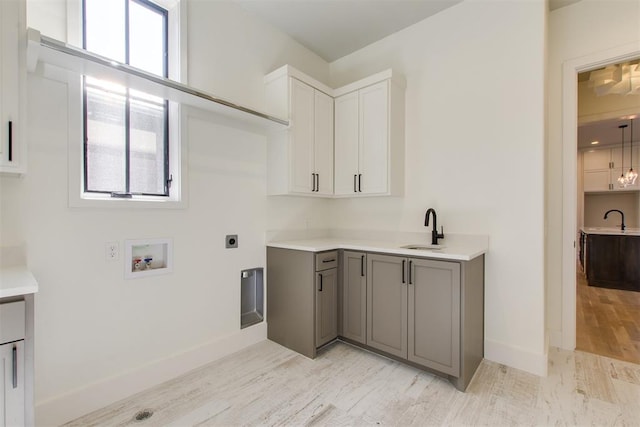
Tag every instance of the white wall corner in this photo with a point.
(555, 338)
(76, 403)
(515, 357)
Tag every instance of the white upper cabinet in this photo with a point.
(369, 140)
(12, 85)
(347, 137)
(300, 159)
(345, 142)
(602, 168)
(323, 143)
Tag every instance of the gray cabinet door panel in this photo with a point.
(354, 296)
(387, 304)
(434, 315)
(326, 306)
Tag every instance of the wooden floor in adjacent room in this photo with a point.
(269, 385)
(607, 321)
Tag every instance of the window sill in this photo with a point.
(139, 202)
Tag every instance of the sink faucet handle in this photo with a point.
(441, 234)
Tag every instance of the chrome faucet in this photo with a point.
(434, 233)
(622, 226)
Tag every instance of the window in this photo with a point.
(126, 132)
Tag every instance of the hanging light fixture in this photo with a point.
(631, 175)
(622, 180)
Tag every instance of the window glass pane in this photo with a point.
(147, 144)
(104, 28)
(105, 132)
(146, 39)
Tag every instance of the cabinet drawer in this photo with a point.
(12, 321)
(326, 260)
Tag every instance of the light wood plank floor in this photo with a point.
(268, 384)
(608, 321)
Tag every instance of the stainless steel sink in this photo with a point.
(423, 247)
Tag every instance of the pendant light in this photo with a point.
(622, 180)
(631, 175)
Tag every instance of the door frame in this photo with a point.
(570, 70)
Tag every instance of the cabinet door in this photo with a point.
(301, 134)
(326, 306)
(346, 143)
(323, 143)
(10, 13)
(597, 180)
(596, 159)
(12, 384)
(374, 139)
(354, 296)
(387, 304)
(434, 314)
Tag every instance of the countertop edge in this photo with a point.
(321, 247)
(16, 281)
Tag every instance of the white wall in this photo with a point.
(100, 337)
(583, 29)
(475, 124)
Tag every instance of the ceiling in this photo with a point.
(335, 28)
(607, 132)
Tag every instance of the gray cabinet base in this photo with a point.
(471, 327)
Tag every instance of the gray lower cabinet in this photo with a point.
(425, 312)
(434, 314)
(428, 312)
(326, 306)
(12, 361)
(387, 304)
(354, 296)
(299, 315)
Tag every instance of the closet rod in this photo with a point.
(83, 54)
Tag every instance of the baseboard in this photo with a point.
(516, 357)
(69, 406)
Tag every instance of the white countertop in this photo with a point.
(15, 281)
(459, 251)
(614, 231)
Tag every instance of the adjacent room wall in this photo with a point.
(581, 29)
(99, 337)
(595, 206)
(475, 123)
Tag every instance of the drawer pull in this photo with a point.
(329, 260)
(10, 142)
(15, 366)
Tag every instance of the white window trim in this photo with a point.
(178, 137)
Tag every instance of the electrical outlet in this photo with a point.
(231, 241)
(112, 251)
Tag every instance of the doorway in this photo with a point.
(598, 320)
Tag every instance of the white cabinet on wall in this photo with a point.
(602, 168)
(369, 137)
(300, 159)
(12, 85)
